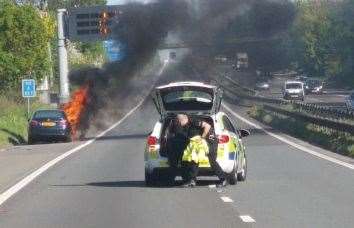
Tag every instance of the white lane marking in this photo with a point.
(293, 144)
(226, 199)
(28, 179)
(247, 218)
(25, 181)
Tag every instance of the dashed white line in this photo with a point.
(247, 218)
(293, 144)
(226, 199)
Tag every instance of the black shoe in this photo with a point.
(190, 184)
(222, 184)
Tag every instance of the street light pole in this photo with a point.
(63, 59)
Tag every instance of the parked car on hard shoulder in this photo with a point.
(48, 126)
(349, 101)
(293, 90)
(313, 86)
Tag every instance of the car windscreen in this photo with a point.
(49, 114)
(293, 86)
(187, 98)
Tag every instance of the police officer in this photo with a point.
(188, 128)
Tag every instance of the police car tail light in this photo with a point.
(152, 140)
(223, 139)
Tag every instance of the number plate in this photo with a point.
(48, 124)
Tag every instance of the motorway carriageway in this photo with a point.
(102, 185)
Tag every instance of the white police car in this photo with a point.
(201, 101)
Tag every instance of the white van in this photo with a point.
(294, 90)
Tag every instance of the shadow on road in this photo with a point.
(136, 184)
(14, 139)
(119, 137)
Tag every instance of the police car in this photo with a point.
(201, 101)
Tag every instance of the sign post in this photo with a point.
(28, 91)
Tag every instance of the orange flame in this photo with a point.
(75, 107)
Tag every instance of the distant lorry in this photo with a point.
(241, 61)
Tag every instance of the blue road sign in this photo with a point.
(115, 50)
(28, 88)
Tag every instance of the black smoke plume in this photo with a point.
(143, 27)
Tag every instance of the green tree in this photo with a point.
(57, 4)
(343, 32)
(24, 37)
(312, 37)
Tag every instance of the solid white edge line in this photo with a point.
(293, 144)
(28, 179)
(226, 199)
(247, 218)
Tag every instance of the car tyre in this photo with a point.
(241, 176)
(69, 138)
(232, 177)
(150, 179)
(30, 141)
(167, 179)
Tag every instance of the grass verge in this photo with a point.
(336, 141)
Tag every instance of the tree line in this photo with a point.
(28, 36)
(322, 40)
(314, 37)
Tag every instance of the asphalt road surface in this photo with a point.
(103, 186)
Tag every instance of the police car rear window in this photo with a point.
(187, 100)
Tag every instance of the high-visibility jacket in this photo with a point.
(196, 150)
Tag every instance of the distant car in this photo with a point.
(349, 102)
(220, 59)
(48, 125)
(262, 86)
(173, 55)
(301, 78)
(314, 86)
(294, 90)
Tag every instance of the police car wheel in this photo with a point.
(31, 141)
(150, 179)
(232, 177)
(241, 176)
(166, 178)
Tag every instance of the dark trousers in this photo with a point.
(189, 171)
(175, 148)
(213, 147)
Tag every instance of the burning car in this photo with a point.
(49, 125)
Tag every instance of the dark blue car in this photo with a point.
(49, 125)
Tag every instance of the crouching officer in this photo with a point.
(202, 143)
